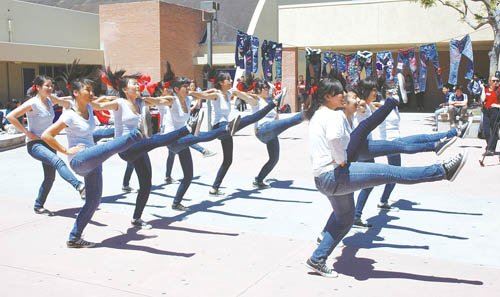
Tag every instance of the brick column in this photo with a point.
(290, 73)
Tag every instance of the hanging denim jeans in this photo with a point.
(313, 67)
(459, 48)
(328, 63)
(409, 59)
(340, 62)
(279, 59)
(352, 70)
(268, 49)
(365, 61)
(239, 53)
(428, 52)
(251, 54)
(385, 65)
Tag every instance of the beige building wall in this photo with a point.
(48, 25)
(344, 24)
(32, 35)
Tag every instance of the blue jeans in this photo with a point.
(190, 140)
(198, 148)
(279, 60)
(270, 130)
(340, 184)
(148, 144)
(392, 149)
(187, 169)
(360, 134)
(240, 52)
(438, 112)
(366, 63)
(93, 194)
(142, 166)
(273, 149)
(409, 59)
(128, 174)
(103, 133)
(490, 117)
(170, 163)
(405, 145)
(459, 48)
(394, 160)
(428, 52)
(88, 163)
(227, 141)
(51, 162)
(268, 50)
(352, 69)
(85, 161)
(385, 65)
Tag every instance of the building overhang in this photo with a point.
(30, 53)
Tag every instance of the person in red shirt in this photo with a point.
(491, 115)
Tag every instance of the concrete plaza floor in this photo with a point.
(442, 241)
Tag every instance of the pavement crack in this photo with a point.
(74, 280)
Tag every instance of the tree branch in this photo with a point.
(464, 13)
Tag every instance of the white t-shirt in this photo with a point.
(79, 130)
(126, 120)
(359, 117)
(222, 108)
(389, 129)
(40, 117)
(270, 116)
(175, 118)
(329, 135)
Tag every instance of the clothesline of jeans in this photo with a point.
(409, 45)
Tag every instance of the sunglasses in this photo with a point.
(495, 80)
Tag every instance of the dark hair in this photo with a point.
(458, 87)
(325, 86)
(179, 82)
(365, 86)
(221, 76)
(118, 80)
(38, 81)
(76, 77)
(259, 85)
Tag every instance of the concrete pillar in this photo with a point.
(290, 73)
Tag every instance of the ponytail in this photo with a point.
(37, 82)
(325, 86)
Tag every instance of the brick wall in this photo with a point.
(141, 36)
(130, 36)
(181, 29)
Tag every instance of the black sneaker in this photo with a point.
(488, 153)
(384, 206)
(43, 211)
(208, 153)
(179, 207)
(232, 126)
(169, 180)
(319, 239)
(401, 88)
(141, 224)
(443, 144)
(260, 185)
(79, 243)
(464, 129)
(453, 165)
(127, 189)
(146, 122)
(321, 268)
(194, 123)
(216, 192)
(360, 223)
(81, 190)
